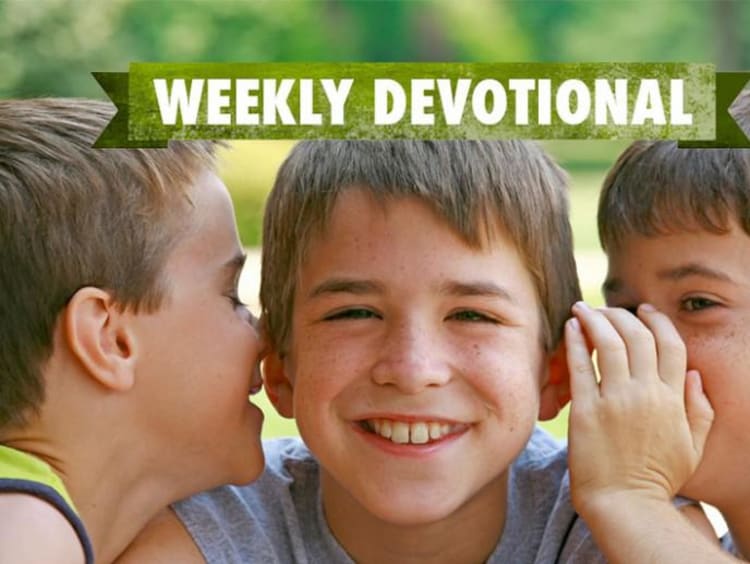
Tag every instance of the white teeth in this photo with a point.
(417, 433)
(386, 429)
(400, 432)
(435, 432)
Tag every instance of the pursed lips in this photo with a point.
(256, 384)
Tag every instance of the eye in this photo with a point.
(235, 299)
(630, 307)
(697, 303)
(352, 313)
(471, 316)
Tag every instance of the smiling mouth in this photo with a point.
(415, 433)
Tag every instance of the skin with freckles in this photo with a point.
(398, 321)
(674, 224)
(635, 436)
(702, 282)
(641, 361)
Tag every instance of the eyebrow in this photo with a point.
(614, 285)
(450, 288)
(477, 288)
(693, 269)
(346, 286)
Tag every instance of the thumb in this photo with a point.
(700, 414)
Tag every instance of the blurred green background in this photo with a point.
(50, 47)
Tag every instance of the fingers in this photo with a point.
(611, 352)
(644, 348)
(637, 341)
(646, 431)
(672, 355)
(700, 414)
(582, 375)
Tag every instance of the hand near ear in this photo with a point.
(98, 334)
(636, 436)
(643, 427)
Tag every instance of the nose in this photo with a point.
(412, 359)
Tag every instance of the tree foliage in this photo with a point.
(50, 47)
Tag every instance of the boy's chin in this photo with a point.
(249, 467)
(413, 515)
(250, 470)
(405, 507)
(242, 464)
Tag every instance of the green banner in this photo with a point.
(161, 101)
(728, 132)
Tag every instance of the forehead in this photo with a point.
(207, 233)
(403, 240)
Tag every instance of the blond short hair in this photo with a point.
(471, 184)
(73, 216)
(656, 188)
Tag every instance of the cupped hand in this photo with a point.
(639, 429)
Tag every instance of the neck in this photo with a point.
(115, 510)
(115, 484)
(468, 534)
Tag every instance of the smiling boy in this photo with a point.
(415, 294)
(400, 383)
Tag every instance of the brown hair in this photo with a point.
(471, 184)
(656, 188)
(73, 216)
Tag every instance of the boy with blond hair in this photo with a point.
(415, 295)
(124, 352)
(675, 224)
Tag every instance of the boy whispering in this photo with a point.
(675, 224)
(124, 351)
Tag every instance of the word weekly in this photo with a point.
(421, 102)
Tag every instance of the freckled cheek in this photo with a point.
(328, 370)
(504, 382)
(723, 359)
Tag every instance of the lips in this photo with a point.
(411, 432)
(256, 384)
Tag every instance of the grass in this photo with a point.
(250, 167)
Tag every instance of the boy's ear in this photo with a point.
(278, 386)
(98, 335)
(555, 392)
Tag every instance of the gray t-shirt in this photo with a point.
(727, 543)
(279, 518)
